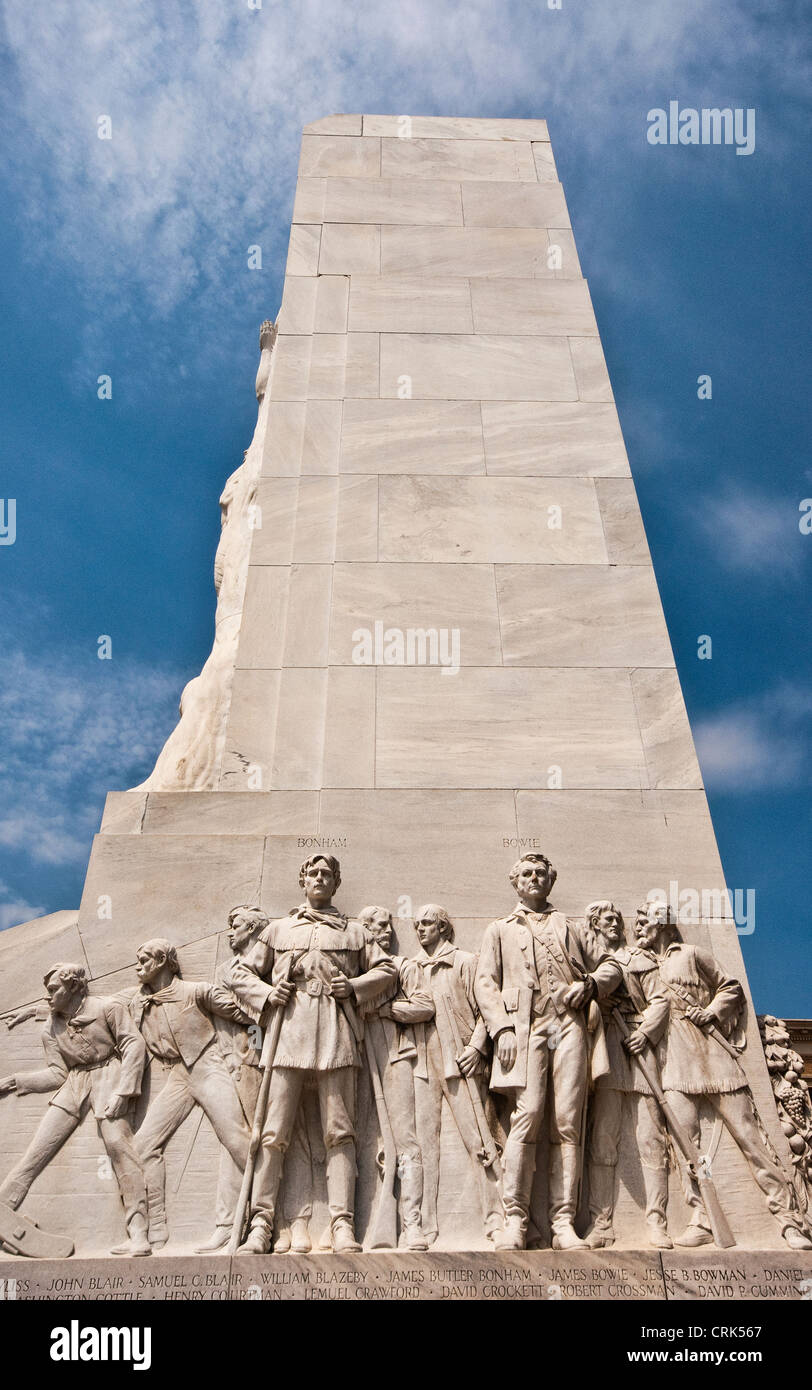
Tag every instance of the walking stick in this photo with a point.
(722, 1234)
(269, 1046)
(385, 1225)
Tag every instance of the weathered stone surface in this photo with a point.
(737, 1275)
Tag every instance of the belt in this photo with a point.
(313, 987)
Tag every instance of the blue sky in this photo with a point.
(128, 257)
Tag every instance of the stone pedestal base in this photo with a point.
(548, 1275)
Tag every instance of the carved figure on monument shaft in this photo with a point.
(94, 1062)
(177, 1021)
(536, 984)
(456, 1068)
(791, 1092)
(644, 1009)
(395, 1050)
(316, 966)
(699, 1068)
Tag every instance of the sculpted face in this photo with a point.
(149, 966)
(61, 997)
(378, 923)
(319, 884)
(428, 930)
(609, 926)
(650, 920)
(533, 883)
(240, 932)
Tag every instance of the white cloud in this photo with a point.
(751, 531)
(759, 743)
(69, 736)
(207, 101)
(14, 910)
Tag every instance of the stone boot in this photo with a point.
(795, 1238)
(216, 1241)
(564, 1160)
(410, 1199)
(258, 1240)
(156, 1206)
(137, 1242)
(518, 1167)
(695, 1234)
(340, 1174)
(656, 1185)
(300, 1242)
(601, 1205)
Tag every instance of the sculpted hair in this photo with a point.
(160, 946)
(532, 858)
(327, 859)
(257, 919)
(71, 975)
(441, 917)
(366, 915)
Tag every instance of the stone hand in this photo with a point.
(117, 1107)
(636, 1041)
(7, 1083)
(468, 1059)
(280, 993)
(575, 997)
(700, 1017)
(341, 987)
(506, 1049)
(11, 1020)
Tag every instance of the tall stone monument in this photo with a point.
(440, 657)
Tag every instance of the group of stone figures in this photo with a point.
(555, 1017)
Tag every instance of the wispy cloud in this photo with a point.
(758, 743)
(69, 736)
(14, 909)
(207, 103)
(752, 531)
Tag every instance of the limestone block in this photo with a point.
(350, 250)
(272, 542)
(456, 128)
(406, 436)
(490, 520)
(357, 518)
(565, 438)
(231, 813)
(332, 300)
(308, 204)
(341, 125)
(298, 304)
(546, 171)
(362, 371)
(581, 615)
(622, 523)
(262, 633)
(284, 438)
(349, 729)
(492, 727)
(418, 596)
(299, 741)
(562, 238)
(339, 156)
(208, 874)
(327, 366)
(123, 813)
(402, 201)
(590, 370)
(251, 731)
(665, 730)
(538, 308)
(519, 205)
(410, 304)
(321, 441)
(476, 367)
(493, 251)
(490, 160)
(303, 251)
(741, 1275)
(291, 371)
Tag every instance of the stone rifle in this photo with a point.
(722, 1234)
(385, 1224)
(489, 1154)
(269, 1046)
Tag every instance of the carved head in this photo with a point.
(65, 983)
(655, 924)
(605, 919)
(533, 877)
(154, 958)
(245, 924)
(320, 876)
(433, 925)
(377, 922)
